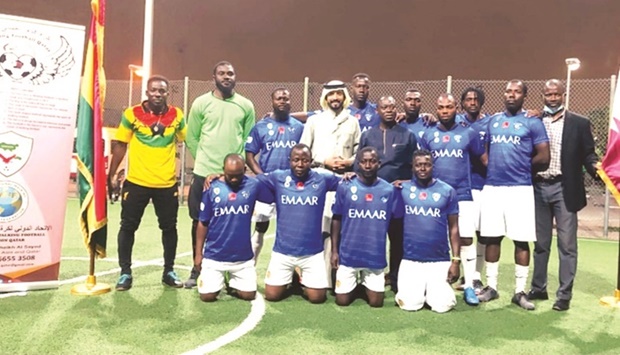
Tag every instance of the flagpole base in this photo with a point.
(90, 288)
(611, 301)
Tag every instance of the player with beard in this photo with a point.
(151, 130)
(452, 146)
(430, 208)
(518, 148)
(412, 119)
(362, 213)
(219, 123)
(299, 194)
(273, 138)
(223, 234)
(333, 136)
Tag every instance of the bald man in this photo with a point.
(559, 193)
(223, 236)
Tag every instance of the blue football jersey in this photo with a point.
(299, 207)
(451, 151)
(418, 128)
(366, 116)
(229, 213)
(366, 212)
(426, 211)
(478, 170)
(511, 147)
(274, 140)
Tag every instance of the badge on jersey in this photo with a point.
(446, 139)
(300, 185)
(506, 124)
(457, 138)
(369, 197)
(232, 196)
(423, 196)
(436, 196)
(281, 130)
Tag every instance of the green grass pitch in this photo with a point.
(154, 319)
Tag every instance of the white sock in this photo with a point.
(327, 254)
(468, 259)
(521, 273)
(492, 273)
(480, 250)
(257, 244)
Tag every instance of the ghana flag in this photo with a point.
(90, 150)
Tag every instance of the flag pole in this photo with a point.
(91, 287)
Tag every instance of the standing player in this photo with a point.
(362, 213)
(223, 234)
(219, 123)
(299, 193)
(518, 147)
(452, 145)
(431, 230)
(472, 100)
(151, 130)
(412, 105)
(273, 138)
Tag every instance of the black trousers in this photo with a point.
(134, 201)
(193, 206)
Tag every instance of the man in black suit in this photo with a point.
(560, 193)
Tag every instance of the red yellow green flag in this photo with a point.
(89, 143)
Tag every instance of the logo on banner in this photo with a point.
(13, 201)
(30, 56)
(15, 150)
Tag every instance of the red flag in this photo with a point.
(89, 146)
(610, 167)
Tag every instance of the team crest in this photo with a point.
(413, 188)
(354, 189)
(495, 125)
(270, 125)
(33, 57)
(249, 140)
(368, 116)
(457, 138)
(482, 135)
(423, 196)
(291, 129)
(15, 150)
(216, 190)
(421, 134)
(245, 194)
(384, 199)
(518, 125)
(315, 186)
(436, 196)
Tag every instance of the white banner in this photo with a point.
(40, 68)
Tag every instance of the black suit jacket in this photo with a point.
(577, 152)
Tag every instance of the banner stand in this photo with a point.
(91, 287)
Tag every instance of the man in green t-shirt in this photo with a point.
(219, 123)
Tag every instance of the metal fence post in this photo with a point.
(306, 83)
(449, 84)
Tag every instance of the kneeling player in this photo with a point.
(431, 211)
(299, 193)
(361, 216)
(225, 223)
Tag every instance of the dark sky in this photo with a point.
(392, 40)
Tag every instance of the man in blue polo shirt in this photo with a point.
(452, 145)
(299, 193)
(223, 234)
(361, 215)
(273, 138)
(395, 145)
(431, 209)
(518, 147)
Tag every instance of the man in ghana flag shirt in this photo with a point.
(151, 130)
(273, 138)
(430, 208)
(518, 146)
(452, 145)
(361, 215)
(299, 193)
(223, 234)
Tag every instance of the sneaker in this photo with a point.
(521, 300)
(469, 295)
(171, 279)
(537, 295)
(478, 286)
(488, 294)
(191, 281)
(124, 282)
(461, 285)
